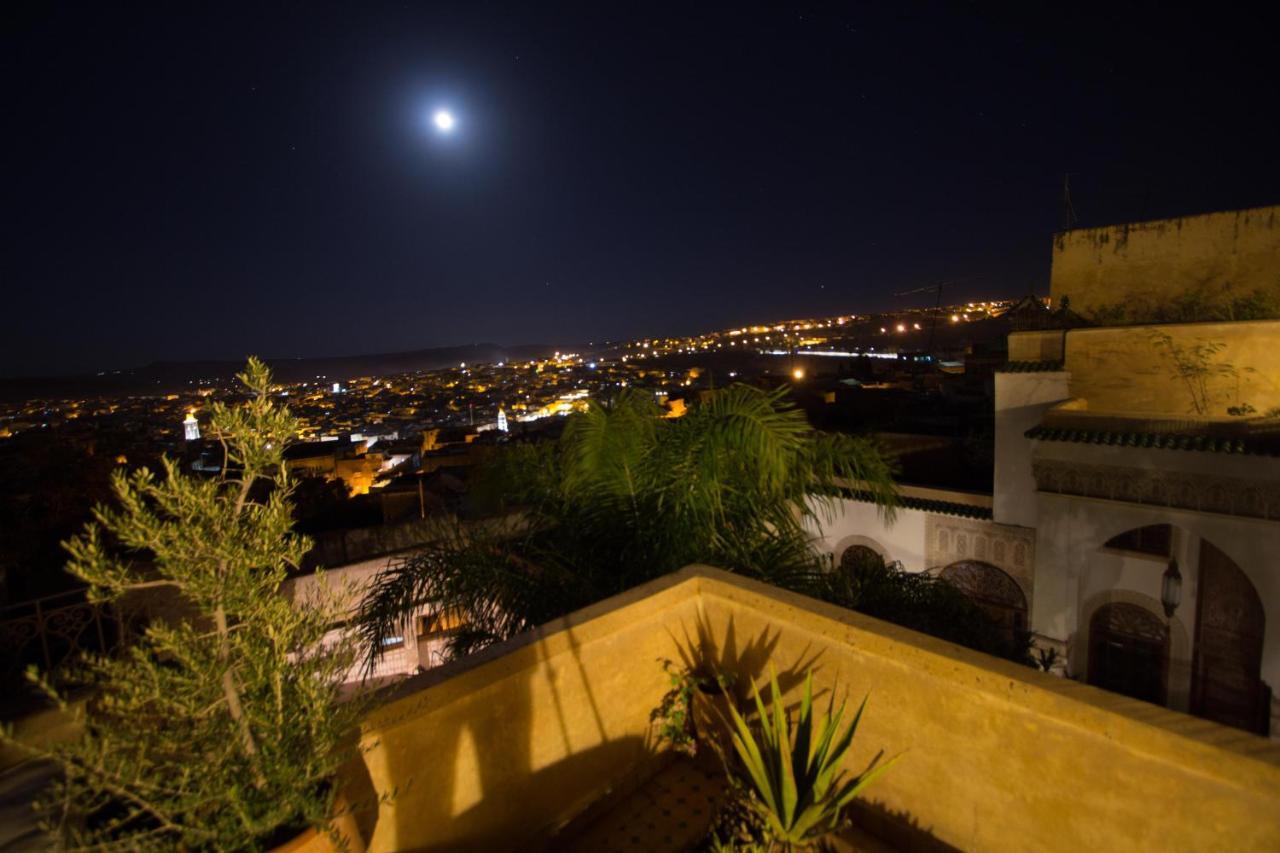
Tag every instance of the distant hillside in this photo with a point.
(166, 376)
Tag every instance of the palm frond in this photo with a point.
(626, 496)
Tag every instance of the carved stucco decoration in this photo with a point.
(1130, 620)
(1198, 492)
(949, 539)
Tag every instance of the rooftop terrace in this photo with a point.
(544, 734)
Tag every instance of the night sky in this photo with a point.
(208, 180)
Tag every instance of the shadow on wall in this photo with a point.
(561, 775)
(498, 750)
(750, 664)
(490, 737)
(747, 666)
(896, 829)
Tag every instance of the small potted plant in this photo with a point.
(694, 712)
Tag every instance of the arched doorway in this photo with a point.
(859, 556)
(1129, 651)
(992, 590)
(1226, 683)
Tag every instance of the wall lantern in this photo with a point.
(1171, 588)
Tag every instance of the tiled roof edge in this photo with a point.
(1155, 440)
(1030, 367)
(925, 505)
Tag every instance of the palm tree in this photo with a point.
(625, 496)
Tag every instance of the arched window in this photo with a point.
(1154, 539)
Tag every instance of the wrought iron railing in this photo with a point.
(49, 631)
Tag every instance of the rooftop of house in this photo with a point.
(546, 739)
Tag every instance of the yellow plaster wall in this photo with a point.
(1125, 369)
(42, 729)
(995, 756)
(500, 752)
(1143, 263)
(1036, 346)
(494, 754)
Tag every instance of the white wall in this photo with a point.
(859, 523)
(350, 583)
(1021, 401)
(1072, 567)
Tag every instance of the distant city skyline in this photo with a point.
(200, 183)
(760, 324)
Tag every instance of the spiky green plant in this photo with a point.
(800, 789)
(220, 728)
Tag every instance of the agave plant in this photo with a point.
(800, 790)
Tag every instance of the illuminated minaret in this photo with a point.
(190, 428)
(502, 420)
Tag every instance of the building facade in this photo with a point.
(1134, 522)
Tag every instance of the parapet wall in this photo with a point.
(1141, 266)
(496, 752)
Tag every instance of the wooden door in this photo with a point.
(1129, 652)
(1226, 683)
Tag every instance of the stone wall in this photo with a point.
(1143, 369)
(1145, 265)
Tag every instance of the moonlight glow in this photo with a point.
(443, 120)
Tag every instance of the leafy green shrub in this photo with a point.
(674, 715)
(923, 602)
(222, 730)
(626, 496)
(1210, 301)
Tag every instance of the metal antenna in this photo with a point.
(937, 305)
(1068, 209)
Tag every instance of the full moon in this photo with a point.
(443, 120)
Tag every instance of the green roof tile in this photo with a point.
(1030, 366)
(1268, 446)
(926, 505)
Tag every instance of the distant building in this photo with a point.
(502, 420)
(191, 427)
(1135, 515)
(353, 464)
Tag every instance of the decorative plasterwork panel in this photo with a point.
(1011, 549)
(1198, 492)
